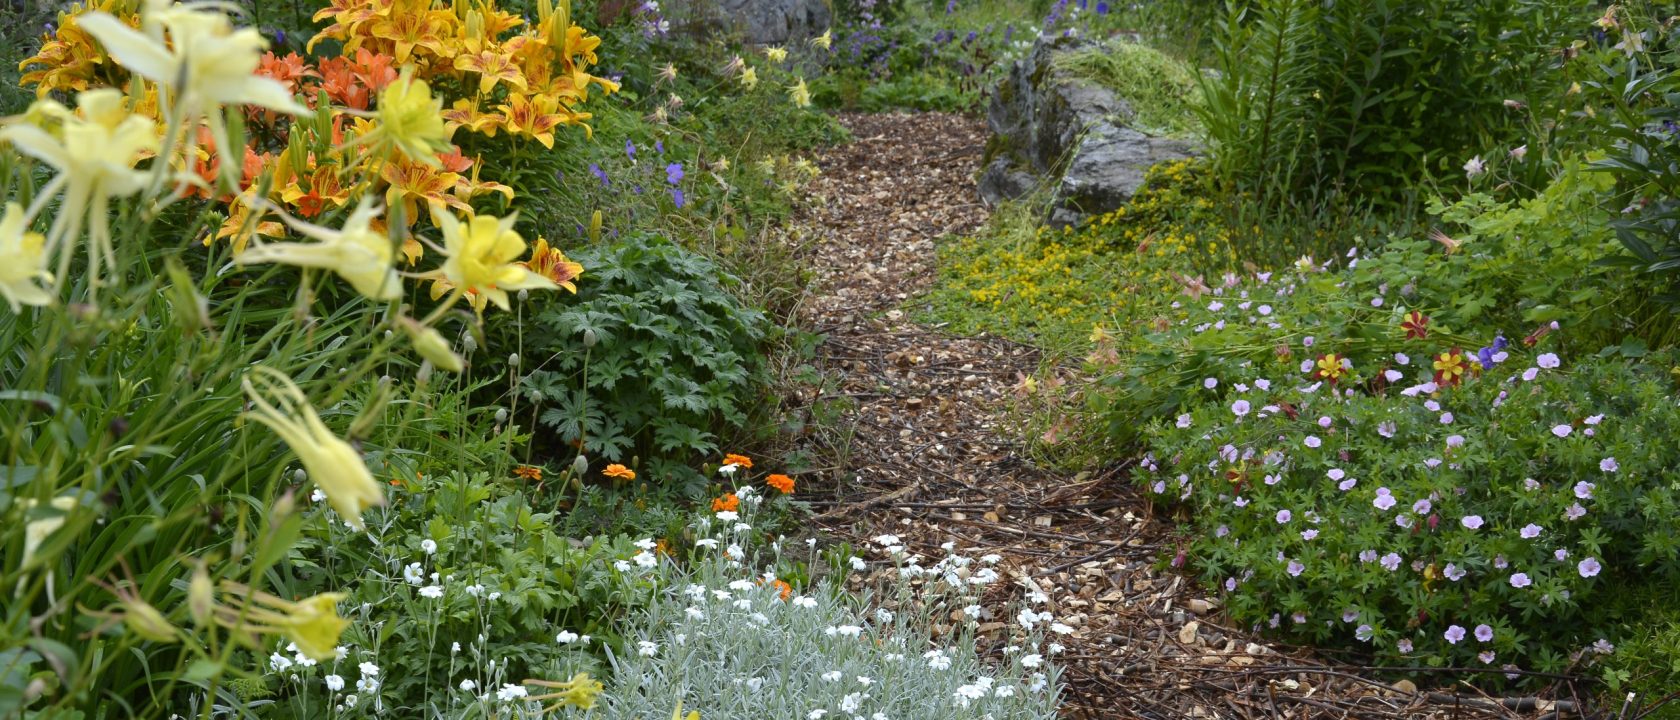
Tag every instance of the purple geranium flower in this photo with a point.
(1520, 580)
(1295, 568)
(1474, 522)
(1391, 562)
(1454, 634)
(1530, 531)
(1484, 632)
(1284, 516)
(1589, 567)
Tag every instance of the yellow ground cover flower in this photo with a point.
(335, 467)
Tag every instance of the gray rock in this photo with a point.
(1068, 135)
(758, 22)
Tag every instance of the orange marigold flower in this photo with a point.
(739, 460)
(529, 472)
(728, 502)
(616, 470)
(780, 482)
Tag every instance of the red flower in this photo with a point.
(1416, 325)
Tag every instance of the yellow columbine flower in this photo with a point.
(483, 256)
(93, 150)
(823, 41)
(312, 624)
(749, 78)
(775, 54)
(205, 62)
(358, 254)
(799, 94)
(22, 262)
(332, 463)
(410, 121)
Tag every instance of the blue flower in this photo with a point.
(630, 149)
(674, 173)
(659, 146)
(599, 173)
(1102, 8)
(677, 197)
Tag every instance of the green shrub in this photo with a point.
(655, 359)
(1522, 467)
(1372, 97)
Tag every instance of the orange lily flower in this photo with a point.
(413, 182)
(324, 187)
(287, 70)
(549, 262)
(339, 81)
(373, 69)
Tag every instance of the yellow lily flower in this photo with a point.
(205, 62)
(334, 465)
(492, 67)
(482, 255)
(411, 24)
(536, 117)
(22, 262)
(93, 150)
(553, 264)
(410, 183)
(348, 16)
(359, 255)
(464, 113)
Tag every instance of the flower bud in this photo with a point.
(524, 295)
(501, 416)
(431, 346)
(589, 338)
(144, 620)
(513, 359)
(469, 344)
(201, 594)
(580, 465)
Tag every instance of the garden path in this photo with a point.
(930, 456)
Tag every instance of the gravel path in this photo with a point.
(926, 454)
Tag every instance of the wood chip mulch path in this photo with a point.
(927, 456)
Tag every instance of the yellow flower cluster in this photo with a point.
(542, 71)
(1116, 271)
